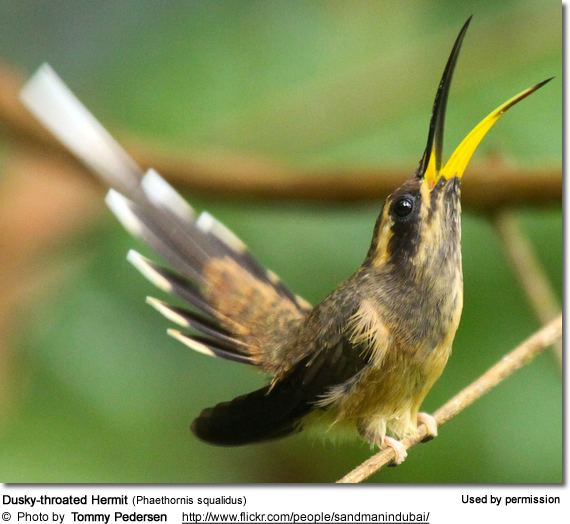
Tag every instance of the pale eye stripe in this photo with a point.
(208, 224)
(162, 194)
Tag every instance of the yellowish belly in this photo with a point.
(386, 399)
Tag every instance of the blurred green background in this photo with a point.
(101, 394)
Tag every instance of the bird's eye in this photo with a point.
(403, 206)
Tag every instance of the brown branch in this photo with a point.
(511, 362)
(236, 176)
(530, 273)
(41, 203)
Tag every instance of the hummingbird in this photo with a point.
(366, 356)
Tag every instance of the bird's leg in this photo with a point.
(374, 431)
(430, 423)
(399, 449)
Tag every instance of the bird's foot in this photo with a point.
(431, 425)
(399, 449)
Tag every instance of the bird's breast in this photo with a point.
(409, 343)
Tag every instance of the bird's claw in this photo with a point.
(431, 425)
(400, 452)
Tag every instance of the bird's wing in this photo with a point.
(277, 410)
(238, 308)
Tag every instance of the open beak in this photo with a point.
(430, 167)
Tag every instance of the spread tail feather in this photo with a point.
(241, 306)
(57, 108)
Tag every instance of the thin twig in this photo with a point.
(514, 360)
(231, 175)
(529, 271)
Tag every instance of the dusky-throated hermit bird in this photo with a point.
(367, 355)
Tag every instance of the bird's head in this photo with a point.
(419, 228)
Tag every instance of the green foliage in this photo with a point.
(105, 396)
